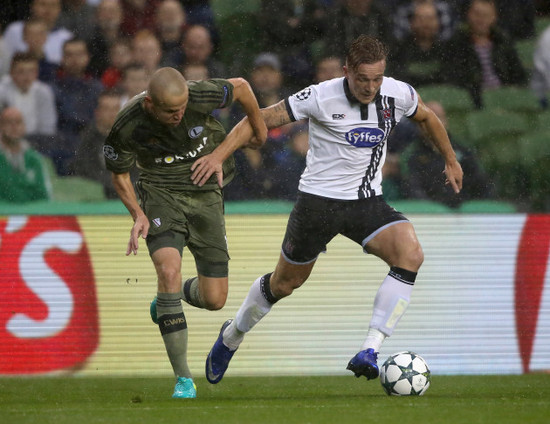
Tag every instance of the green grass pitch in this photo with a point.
(281, 400)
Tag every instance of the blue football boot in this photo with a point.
(364, 363)
(218, 359)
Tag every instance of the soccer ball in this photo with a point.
(405, 374)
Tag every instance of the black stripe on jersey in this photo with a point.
(289, 110)
(385, 112)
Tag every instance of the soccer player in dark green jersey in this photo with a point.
(164, 130)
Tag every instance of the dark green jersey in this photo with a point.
(165, 154)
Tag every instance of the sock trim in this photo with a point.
(266, 289)
(170, 323)
(403, 275)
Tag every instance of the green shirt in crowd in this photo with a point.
(22, 176)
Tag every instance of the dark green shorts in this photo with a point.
(194, 219)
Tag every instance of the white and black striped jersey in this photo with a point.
(347, 139)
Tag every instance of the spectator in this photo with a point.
(5, 57)
(48, 11)
(540, 81)
(35, 33)
(480, 56)
(423, 177)
(138, 15)
(267, 79)
(515, 17)
(256, 178)
(198, 49)
(199, 12)
(328, 67)
(170, 22)
(353, 18)
(418, 57)
(107, 31)
(22, 174)
(146, 50)
(134, 81)
(120, 56)
(287, 164)
(195, 72)
(89, 160)
(76, 93)
(34, 99)
(78, 17)
(287, 30)
(447, 15)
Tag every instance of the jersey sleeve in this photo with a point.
(206, 96)
(118, 158)
(409, 99)
(303, 104)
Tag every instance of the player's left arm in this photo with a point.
(431, 125)
(251, 131)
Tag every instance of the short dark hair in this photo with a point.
(22, 57)
(365, 49)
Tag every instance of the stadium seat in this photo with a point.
(72, 189)
(487, 206)
(543, 120)
(419, 206)
(454, 99)
(533, 146)
(487, 125)
(519, 99)
(224, 8)
(496, 136)
(525, 49)
(77, 189)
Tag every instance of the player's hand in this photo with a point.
(454, 174)
(140, 228)
(204, 167)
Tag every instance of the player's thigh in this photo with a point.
(207, 239)
(166, 213)
(397, 245)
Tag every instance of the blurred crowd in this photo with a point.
(67, 67)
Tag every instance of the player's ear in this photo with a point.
(148, 101)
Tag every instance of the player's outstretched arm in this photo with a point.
(250, 131)
(432, 126)
(125, 190)
(242, 93)
(272, 117)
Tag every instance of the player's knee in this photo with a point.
(215, 301)
(415, 255)
(169, 277)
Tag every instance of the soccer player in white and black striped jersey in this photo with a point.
(350, 119)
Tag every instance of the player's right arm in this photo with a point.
(274, 116)
(125, 190)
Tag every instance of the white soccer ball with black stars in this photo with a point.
(405, 374)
